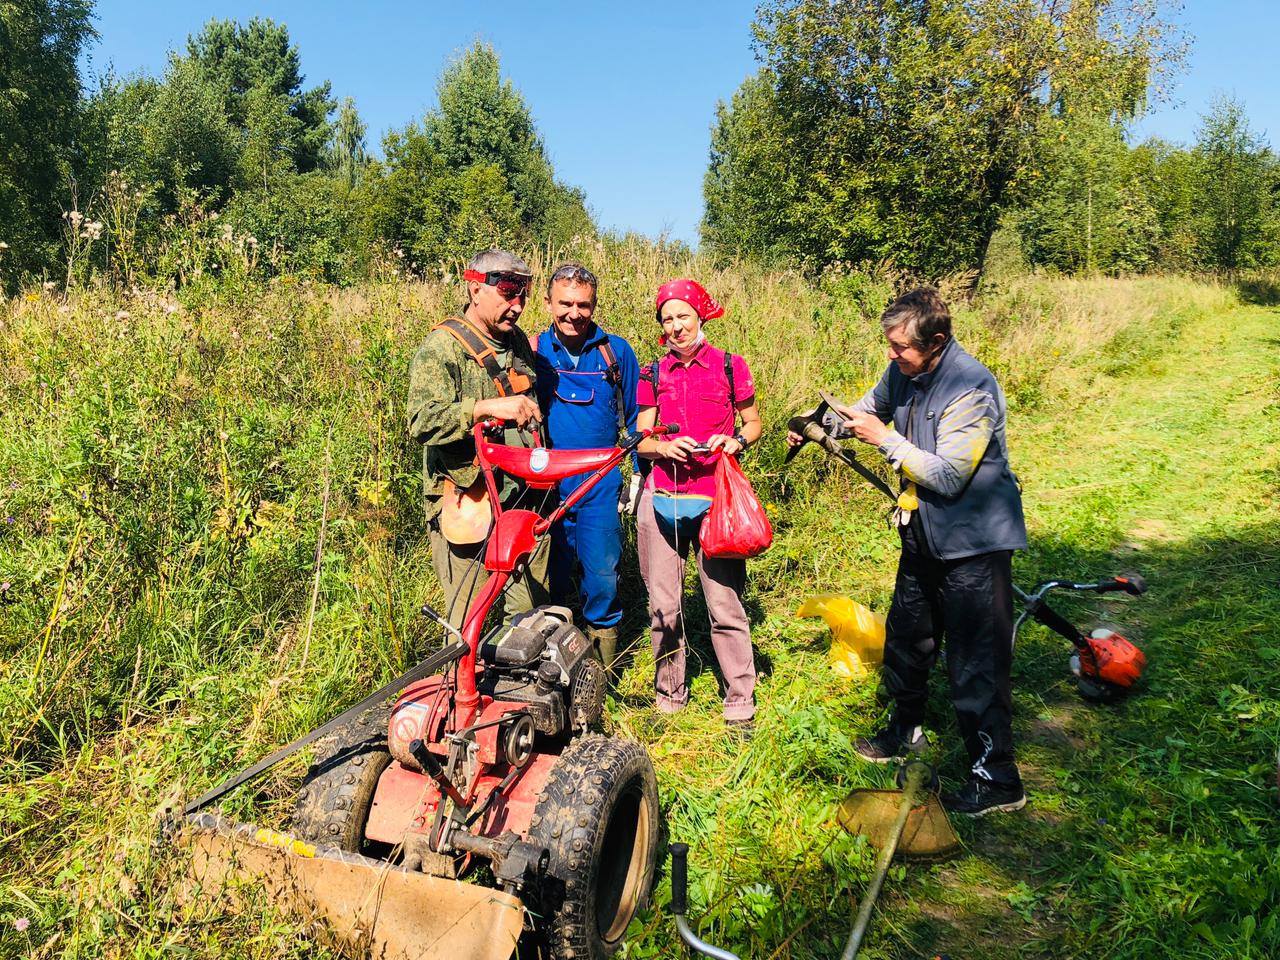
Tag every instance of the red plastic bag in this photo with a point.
(736, 526)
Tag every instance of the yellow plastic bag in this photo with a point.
(857, 634)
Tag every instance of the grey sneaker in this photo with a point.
(890, 746)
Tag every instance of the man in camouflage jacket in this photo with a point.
(449, 392)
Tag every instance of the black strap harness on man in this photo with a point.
(510, 382)
(613, 376)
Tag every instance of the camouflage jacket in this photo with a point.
(444, 385)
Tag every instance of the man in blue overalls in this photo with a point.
(586, 382)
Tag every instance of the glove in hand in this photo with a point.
(629, 496)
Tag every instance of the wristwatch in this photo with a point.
(741, 439)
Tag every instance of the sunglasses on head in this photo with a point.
(574, 273)
(509, 285)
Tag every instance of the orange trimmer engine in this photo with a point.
(1110, 658)
(1106, 665)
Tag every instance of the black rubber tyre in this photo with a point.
(336, 794)
(598, 816)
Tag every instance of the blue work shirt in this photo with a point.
(579, 404)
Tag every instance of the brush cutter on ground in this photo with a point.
(1106, 665)
(910, 822)
(480, 754)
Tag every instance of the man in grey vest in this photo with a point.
(960, 518)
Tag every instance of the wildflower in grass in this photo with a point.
(48, 285)
(3, 246)
(8, 519)
(21, 924)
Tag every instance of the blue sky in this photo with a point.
(624, 94)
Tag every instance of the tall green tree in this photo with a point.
(1238, 178)
(472, 175)
(239, 58)
(1086, 204)
(345, 155)
(906, 126)
(431, 214)
(747, 153)
(40, 41)
(482, 119)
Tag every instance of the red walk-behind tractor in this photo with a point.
(486, 761)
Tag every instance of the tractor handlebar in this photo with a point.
(1130, 583)
(679, 878)
(680, 903)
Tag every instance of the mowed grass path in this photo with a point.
(1153, 825)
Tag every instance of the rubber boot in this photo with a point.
(605, 641)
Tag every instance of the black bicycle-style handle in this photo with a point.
(679, 878)
(1130, 583)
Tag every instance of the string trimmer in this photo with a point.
(1106, 665)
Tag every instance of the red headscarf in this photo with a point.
(692, 293)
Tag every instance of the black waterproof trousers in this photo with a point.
(968, 604)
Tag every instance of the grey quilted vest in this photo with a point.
(987, 515)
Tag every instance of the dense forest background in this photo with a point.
(932, 138)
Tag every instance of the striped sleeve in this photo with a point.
(964, 431)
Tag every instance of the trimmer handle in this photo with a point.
(1129, 583)
(679, 878)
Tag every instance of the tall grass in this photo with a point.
(164, 463)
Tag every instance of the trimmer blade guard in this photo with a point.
(927, 835)
(371, 907)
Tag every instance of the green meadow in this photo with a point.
(168, 462)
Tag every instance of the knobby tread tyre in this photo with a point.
(598, 816)
(336, 794)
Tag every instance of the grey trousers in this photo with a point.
(662, 566)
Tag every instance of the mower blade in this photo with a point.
(373, 908)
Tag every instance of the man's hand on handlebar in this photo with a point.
(522, 410)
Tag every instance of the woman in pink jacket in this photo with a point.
(705, 392)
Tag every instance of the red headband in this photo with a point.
(692, 293)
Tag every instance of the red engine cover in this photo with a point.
(1115, 659)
